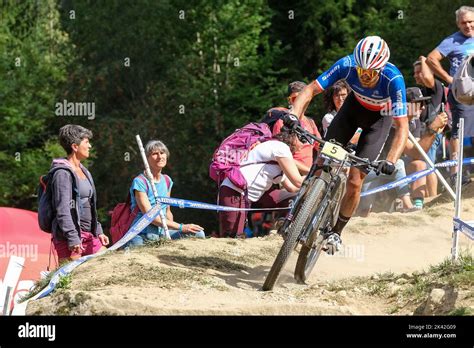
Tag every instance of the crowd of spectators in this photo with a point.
(274, 170)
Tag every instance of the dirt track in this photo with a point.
(223, 276)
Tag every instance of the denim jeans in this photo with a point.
(141, 238)
(434, 148)
(373, 181)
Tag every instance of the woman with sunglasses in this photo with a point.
(377, 100)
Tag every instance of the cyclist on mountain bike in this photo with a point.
(377, 99)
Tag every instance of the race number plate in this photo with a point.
(334, 151)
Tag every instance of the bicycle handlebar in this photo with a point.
(292, 122)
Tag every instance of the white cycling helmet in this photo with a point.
(371, 52)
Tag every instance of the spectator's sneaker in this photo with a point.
(333, 243)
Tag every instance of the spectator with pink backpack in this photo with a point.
(304, 156)
(142, 199)
(246, 166)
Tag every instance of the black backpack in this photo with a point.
(46, 211)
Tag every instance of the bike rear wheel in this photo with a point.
(311, 250)
(303, 217)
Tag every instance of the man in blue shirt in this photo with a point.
(377, 100)
(456, 47)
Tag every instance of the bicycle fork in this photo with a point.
(320, 213)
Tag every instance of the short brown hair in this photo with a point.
(72, 134)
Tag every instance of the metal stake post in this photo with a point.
(150, 177)
(431, 164)
(457, 201)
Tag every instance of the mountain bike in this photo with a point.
(315, 209)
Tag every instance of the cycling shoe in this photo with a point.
(333, 243)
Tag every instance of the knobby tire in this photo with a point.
(311, 250)
(303, 217)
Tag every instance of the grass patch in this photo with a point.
(341, 285)
(204, 262)
(157, 243)
(447, 274)
(68, 303)
(387, 276)
(419, 289)
(461, 311)
(64, 282)
(378, 288)
(162, 277)
(393, 310)
(417, 286)
(463, 266)
(39, 285)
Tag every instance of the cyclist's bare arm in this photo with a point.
(304, 98)
(399, 140)
(434, 62)
(289, 168)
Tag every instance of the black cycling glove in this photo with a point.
(290, 121)
(351, 147)
(385, 167)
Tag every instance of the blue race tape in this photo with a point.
(464, 227)
(452, 163)
(414, 176)
(403, 181)
(139, 226)
(147, 218)
(184, 203)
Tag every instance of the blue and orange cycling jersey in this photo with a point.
(388, 96)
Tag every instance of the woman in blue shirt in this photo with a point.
(142, 195)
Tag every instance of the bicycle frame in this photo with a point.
(308, 213)
(327, 172)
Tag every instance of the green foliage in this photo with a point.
(191, 81)
(64, 282)
(461, 311)
(34, 57)
(318, 33)
(186, 72)
(38, 286)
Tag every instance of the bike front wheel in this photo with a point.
(303, 217)
(311, 250)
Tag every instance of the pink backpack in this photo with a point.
(234, 149)
(122, 215)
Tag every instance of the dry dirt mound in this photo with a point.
(224, 276)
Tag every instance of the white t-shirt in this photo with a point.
(261, 176)
(327, 119)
